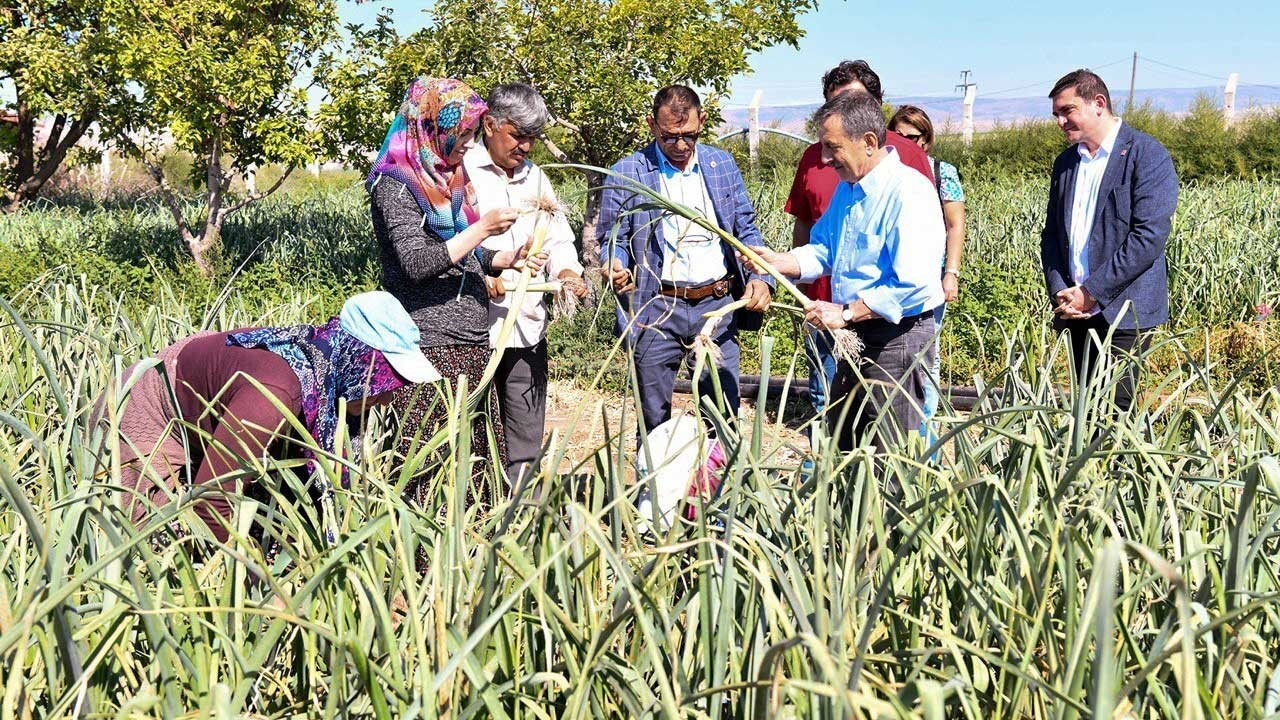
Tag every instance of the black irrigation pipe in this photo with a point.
(962, 397)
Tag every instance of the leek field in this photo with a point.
(1053, 559)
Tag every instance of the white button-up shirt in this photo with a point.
(495, 190)
(691, 254)
(1084, 204)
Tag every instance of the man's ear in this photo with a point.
(653, 124)
(871, 141)
(489, 127)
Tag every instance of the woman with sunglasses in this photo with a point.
(913, 123)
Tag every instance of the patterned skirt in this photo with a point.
(423, 410)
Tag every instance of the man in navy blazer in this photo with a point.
(668, 272)
(1111, 204)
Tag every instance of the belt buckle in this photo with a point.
(721, 289)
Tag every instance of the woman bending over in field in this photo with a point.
(429, 236)
(221, 403)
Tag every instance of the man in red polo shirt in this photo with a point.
(811, 191)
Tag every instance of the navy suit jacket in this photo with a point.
(632, 232)
(1134, 213)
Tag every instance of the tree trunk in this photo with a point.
(204, 247)
(33, 170)
(590, 247)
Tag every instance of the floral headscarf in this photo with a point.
(435, 112)
(330, 363)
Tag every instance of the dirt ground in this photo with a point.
(584, 415)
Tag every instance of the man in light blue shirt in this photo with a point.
(881, 240)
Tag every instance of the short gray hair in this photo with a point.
(520, 105)
(859, 112)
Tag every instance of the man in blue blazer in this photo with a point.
(1111, 204)
(668, 272)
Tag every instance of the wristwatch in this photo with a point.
(846, 313)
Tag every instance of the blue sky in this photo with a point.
(920, 47)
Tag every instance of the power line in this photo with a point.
(1181, 69)
(1038, 83)
(1174, 78)
(1042, 83)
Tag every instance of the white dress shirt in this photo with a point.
(1084, 204)
(495, 190)
(691, 254)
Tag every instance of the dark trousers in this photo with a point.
(882, 399)
(659, 349)
(522, 400)
(1087, 337)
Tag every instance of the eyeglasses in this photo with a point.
(913, 137)
(690, 139)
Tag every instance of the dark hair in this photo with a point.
(916, 118)
(1086, 83)
(859, 113)
(849, 71)
(676, 97)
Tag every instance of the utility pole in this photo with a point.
(1133, 76)
(1229, 99)
(753, 128)
(970, 91)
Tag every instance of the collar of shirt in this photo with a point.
(478, 158)
(1104, 150)
(669, 170)
(879, 175)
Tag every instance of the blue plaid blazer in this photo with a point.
(632, 233)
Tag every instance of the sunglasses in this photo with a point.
(690, 139)
(913, 137)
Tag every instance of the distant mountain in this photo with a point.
(988, 112)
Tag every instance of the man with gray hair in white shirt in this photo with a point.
(502, 176)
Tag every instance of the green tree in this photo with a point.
(598, 62)
(216, 78)
(61, 61)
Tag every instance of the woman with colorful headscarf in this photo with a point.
(216, 402)
(429, 236)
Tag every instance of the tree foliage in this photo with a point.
(62, 62)
(217, 79)
(597, 62)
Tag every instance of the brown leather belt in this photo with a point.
(719, 289)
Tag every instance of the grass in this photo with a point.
(1053, 559)
(314, 246)
(1052, 562)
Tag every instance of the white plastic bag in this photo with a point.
(681, 461)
